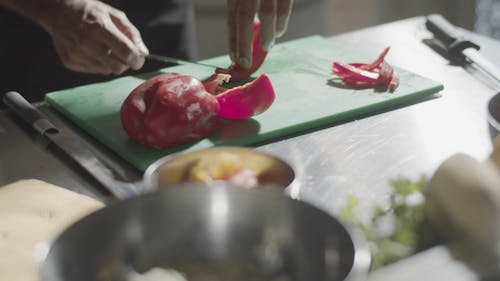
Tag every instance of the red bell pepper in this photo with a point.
(169, 109)
(172, 109)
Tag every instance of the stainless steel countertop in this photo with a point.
(356, 157)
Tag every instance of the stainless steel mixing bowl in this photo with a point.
(494, 115)
(259, 230)
(269, 169)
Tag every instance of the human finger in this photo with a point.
(283, 11)
(121, 21)
(85, 60)
(242, 31)
(85, 64)
(76, 58)
(94, 57)
(232, 31)
(122, 47)
(267, 17)
(112, 63)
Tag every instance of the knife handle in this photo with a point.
(442, 29)
(28, 112)
(447, 34)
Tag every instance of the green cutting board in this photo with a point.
(307, 97)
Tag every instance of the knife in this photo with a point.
(71, 146)
(459, 47)
(166, 59)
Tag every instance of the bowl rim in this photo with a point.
(361, 262)
(149, 179)
(494, 122)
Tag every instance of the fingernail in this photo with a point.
(139, 63)
(245, 62)
(131, 59)
(135, 61)
(143, 49)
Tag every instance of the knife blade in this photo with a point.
(167, 59)
(459, 47)
(71, 146)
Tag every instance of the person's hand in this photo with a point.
(273, 15)
(93, 37)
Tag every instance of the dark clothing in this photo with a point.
(30, 64)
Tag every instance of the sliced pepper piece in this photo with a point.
(364, 75)
(378, 61)
(393, 84)
(244, 101)
(238, 72)
(354, 73)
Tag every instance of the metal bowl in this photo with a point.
(269, 170)
(222, 227)
(494, 115)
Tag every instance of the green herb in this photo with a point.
(396, 231)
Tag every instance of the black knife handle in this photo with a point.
(447, 34)
(28, 112)
(442, 29)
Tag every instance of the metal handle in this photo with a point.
(72, 147)
(28, 112)
(442, 29)
(447, 34)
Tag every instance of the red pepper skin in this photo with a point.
(238, 72)
(364, 75)
(248, 100)
(351, 72)
(212, 83)
(393, 84)
(385, 73)
(378, 61)
(172, 109)
(169, 109)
